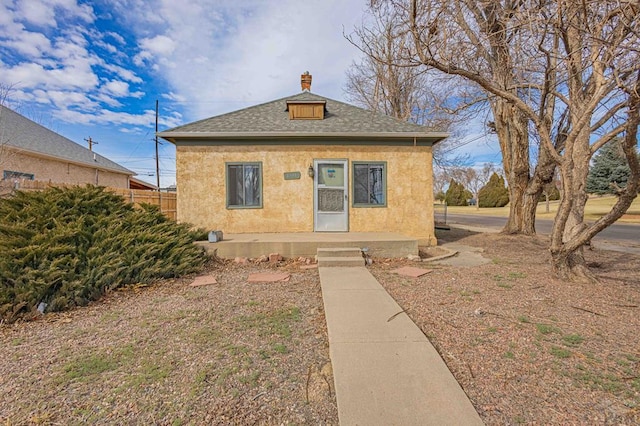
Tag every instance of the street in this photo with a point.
(623, 237)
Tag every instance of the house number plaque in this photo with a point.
(291, 175)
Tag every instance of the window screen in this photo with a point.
(369, 184)
(244, 185)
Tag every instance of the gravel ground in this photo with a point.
(526, 348)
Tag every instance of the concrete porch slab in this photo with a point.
(295, 244)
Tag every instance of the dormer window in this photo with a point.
(306, 110)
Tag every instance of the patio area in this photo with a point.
(295, 244)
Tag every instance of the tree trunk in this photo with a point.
(511, 127)
(546, 201)
(571, 266)
(568, 237)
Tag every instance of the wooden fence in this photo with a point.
(165, 200)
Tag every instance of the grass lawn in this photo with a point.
(596, 207)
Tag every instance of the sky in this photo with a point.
(95, 69)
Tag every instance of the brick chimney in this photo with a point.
(305, 81)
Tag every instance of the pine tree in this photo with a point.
(609, 170)
(494, 193)
(456, 194)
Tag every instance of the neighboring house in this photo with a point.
(31, 151)
(135, 183)
(305, 163)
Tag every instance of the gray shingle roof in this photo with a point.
(23, 134)
(272, 119)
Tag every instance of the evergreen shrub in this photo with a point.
(67, 247)
(494, 193)
(457, 195)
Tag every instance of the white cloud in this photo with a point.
(106, 46)
(121, 72)
(104, 116)
(64, 99)
(174, 97)
(159, 45)
(37, 12)
(33, 75)
(43, 12)
(142, 57)
(29, 43)
(116, 88)
(117, 37)
(224, 55)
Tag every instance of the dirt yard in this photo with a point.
(526, 348)
(170, 354)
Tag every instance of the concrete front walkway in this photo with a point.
(386, 372)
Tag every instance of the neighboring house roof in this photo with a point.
(24, 135)
(271, 120)
(140, 184)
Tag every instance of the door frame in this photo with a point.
(345, 214)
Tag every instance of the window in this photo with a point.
(244, 185)
(8, 174)
(369, 184)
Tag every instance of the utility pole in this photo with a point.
(157, 158)
(91, 143)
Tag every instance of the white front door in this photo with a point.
(331, 196)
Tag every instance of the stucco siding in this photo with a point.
(46, 169)
(288, 204)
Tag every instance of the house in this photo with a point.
(135, 183)
(305, 163)
(33, 152)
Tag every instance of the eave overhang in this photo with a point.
(375, 138)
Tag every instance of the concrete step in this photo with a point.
(332, 261)
(339, 252)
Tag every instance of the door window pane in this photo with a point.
(331, 174)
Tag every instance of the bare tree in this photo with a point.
(461, 40)
(413, 94)
(440, 180)
(562, 70)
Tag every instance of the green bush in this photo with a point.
(67, 247)
(494, 193)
